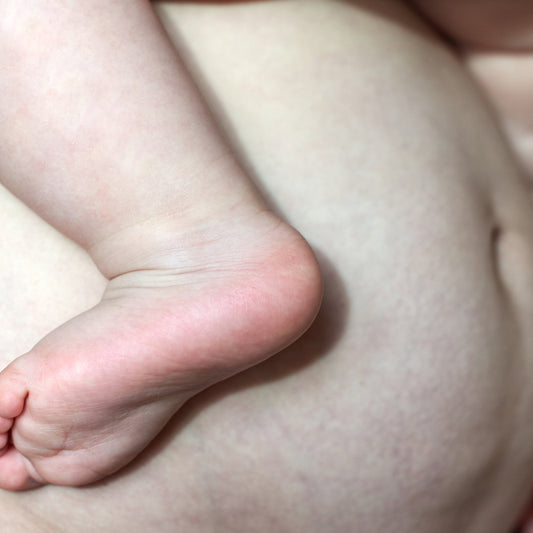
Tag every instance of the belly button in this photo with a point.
(512, 252)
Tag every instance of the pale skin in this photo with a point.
(436, 444)
(495, 40)
(109, 141)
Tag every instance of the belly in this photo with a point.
(407, 401)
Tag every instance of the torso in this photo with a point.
(390, 409)
(496, 41)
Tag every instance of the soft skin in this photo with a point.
(407, 405)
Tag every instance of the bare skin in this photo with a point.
(421, 381)
(495, 40)
(110, 142)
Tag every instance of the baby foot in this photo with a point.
(90, 396)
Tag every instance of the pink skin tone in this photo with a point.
(110, 142)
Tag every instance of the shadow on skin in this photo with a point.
(384, 9)
(394, 12)
(315, 345)
(330, 325)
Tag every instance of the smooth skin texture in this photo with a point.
(495, 41)
(109, 141)
(407, 405)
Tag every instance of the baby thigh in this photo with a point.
(410, 407)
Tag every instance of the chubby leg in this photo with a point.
(104, 135)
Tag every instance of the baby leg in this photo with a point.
(108, 140)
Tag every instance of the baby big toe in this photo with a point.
(12, 397)
(14, 472)
(5, 425)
